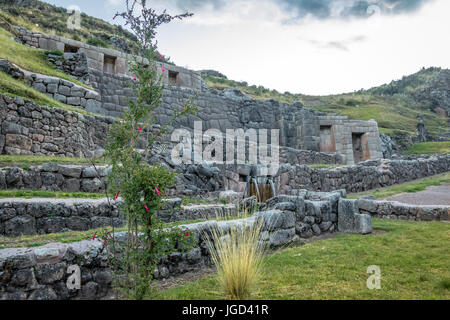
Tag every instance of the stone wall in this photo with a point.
(403, 211)
(96, 58)
(41, 273)
(295, 156)
(357, 178)
(30, 129)
(73, 64)
(41, 216)
(203, 180)
(114, 91)
(61, 90)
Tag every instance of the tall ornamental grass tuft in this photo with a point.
(237, 254)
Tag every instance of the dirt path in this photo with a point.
(434, 195)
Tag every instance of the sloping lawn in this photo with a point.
(30, 59)
(410, 187)
(20, 160)
(429, 148)
(413, 256)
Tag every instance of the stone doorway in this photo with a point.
(360, 147)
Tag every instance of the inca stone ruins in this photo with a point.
(299, 200)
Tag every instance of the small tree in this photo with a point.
(140, 184)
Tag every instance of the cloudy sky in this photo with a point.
(303, 46)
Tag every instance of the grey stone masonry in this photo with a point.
(30, 129)
(41, 272)
(96, 57)
(202, 179)
(61, 90)
(403, 211)
(41, 216)
(350, 220)
(362, 177)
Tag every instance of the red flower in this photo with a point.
(117, 195)
(146, 208)
(139, 128)
(165, 193)
(95, 234)
(162, 68)
(135, 78)
(186, 234)
(157, 191)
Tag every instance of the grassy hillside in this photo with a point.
(395, 111)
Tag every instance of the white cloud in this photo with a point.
(250, 41)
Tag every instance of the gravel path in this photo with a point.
(434, 195)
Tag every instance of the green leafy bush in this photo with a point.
(97, 42)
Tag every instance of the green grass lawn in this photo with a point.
(29, 194)
(20, 160)
(411, 187)
(429, 148)
(324, 166)
(30, 59)
(413, 257)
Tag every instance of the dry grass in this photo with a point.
(237, 254)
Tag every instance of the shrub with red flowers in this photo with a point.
(142, 185)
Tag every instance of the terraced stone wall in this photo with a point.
(42, 272)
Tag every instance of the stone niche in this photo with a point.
(109, 64)
(360, 144)
(70, 49)
(173, 78)
(327, 141)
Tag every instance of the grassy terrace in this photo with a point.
(413, 257)
(21, 160)
(411, 187)
(429, 148)
(30, 59)
(29, 194)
